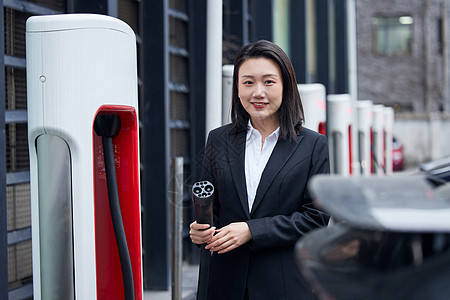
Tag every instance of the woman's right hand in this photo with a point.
(201, 233)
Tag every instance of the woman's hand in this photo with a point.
(201, 233)
(229, 237)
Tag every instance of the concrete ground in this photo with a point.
(189, 286)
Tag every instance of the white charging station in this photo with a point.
(389, 135)
(378, 139)
(365, 119)
(227, 91)
(313, 97)
(79, 67)
(339, 133)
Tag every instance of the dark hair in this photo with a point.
(290, 112)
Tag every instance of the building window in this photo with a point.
(281, 24)
(392, 35)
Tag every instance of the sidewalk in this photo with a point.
(189, 286)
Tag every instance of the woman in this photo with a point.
(260, 165)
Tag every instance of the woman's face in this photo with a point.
(260, 88)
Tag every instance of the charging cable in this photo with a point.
(108, 126)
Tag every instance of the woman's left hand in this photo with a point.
(229, 237)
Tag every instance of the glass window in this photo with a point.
(281, 20)
(392, 35)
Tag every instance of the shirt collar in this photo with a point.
(252, 131)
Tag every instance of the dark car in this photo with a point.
(390, 239)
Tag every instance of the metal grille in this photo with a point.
(18, 206)
(15, 88)
(180, 98)
(178, 5)
(128, 11)
(178, 142)
(178, 109)
(17, 148)
(177, 32)
(178, 76)
(20, 271)
(14, 26)
(178, 65)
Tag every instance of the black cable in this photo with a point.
(108, 126)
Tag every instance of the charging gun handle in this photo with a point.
(203, 198)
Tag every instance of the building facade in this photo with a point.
(403, 62)
(403, 58)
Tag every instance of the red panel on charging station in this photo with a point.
(350, 148)
(372, 168)
(109, 273)
(322, 128)
(383, 162)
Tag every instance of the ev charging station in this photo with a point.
(339, 133)
(84, 157)
(378, 139)
(389, 128)
(365, 118)
(227, 93)
(314, 105)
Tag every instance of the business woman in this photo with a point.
(260, 165)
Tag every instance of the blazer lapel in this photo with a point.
(236, 157)
(280, 155)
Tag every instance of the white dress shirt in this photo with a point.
(256, 158)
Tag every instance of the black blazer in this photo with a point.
(282, 213)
